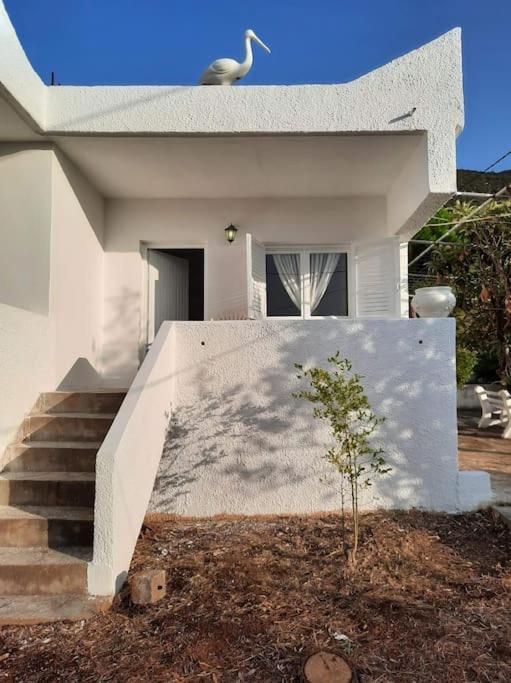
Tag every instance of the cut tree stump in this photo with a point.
(325, 667)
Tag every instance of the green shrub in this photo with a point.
(465, 363)
(338, 398)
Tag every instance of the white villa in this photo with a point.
(124, 309)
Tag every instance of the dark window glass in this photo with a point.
(335, 298)
(278, 301)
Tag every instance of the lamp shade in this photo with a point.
(230, 233)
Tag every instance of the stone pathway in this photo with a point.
(484, 449)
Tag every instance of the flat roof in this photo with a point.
(419, 91)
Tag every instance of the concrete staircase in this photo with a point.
(47, 507)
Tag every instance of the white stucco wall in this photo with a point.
(26, 366)
(410, 203)
(127, 463)
(201, 223)
(26, 332)
(51, 279)
(25, 226)
(241, 444)
(18, 80)
(76, 293)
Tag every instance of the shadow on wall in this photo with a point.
(85, 194)
(245, 446)
(121, 350)
(81, 376)
(229, 422)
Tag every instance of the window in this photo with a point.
(283, 285)
(328, 284)
(308, 283)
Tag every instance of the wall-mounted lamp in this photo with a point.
(230, 233)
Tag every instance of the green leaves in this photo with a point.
(465, 364)
(478, 267)
(338, 398)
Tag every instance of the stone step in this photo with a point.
(66, 427)
(34, 571)
(47, 456)
(17, 610)
(47, 488)
(80, 401)
(38, 526)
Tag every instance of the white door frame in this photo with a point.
(144, 313)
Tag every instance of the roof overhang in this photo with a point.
(243, 167)
(395, 127)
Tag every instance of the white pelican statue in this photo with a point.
(226, 71)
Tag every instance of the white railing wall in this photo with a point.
(241, 444)
(127, 464)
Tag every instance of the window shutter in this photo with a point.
(256, 279)
(377, 279)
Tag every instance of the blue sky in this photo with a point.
(326, 41)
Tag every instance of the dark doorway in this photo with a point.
(195, 258)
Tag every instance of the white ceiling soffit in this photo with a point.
(242, 167)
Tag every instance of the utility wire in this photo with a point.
(462, 221)
(467, 219)
(470, 220)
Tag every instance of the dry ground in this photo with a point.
(249, 599)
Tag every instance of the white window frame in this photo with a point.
(304, 252)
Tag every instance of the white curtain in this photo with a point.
(288, 268)
(322, 267)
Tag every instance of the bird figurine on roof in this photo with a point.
(226, 71)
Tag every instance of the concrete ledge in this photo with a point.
(503, 513)
(474, 490)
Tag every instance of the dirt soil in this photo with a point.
(250, 599)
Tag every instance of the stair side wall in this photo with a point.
(127, 463)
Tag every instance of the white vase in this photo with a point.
(434, 302)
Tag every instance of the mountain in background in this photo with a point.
(475, 181)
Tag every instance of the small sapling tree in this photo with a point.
(338, 398)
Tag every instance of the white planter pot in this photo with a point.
(434, 302)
